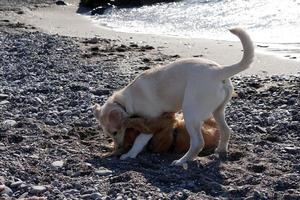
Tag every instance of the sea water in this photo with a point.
(268, 21)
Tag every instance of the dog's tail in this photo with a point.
(227, 71)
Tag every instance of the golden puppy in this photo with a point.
(169, 133)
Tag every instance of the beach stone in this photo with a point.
(260, 129)
(7, 124)
(4, 102)
(5, 190)
(100, 10)
(38, 189)
(60, 3)
(103, 172)
(38, 100)
(3, 96)
(100, 91)
(58, 164)
(292, 149)
(2, 180)
(93, 40)
(72, 191)
(16, 184)
(94, 196)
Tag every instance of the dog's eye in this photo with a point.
(114, 133)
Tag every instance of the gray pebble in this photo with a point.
(7, 124)
(3, 96)
(38, 189)
(58, 164)
(16, 184)
(103, 172)
(5, 190)
(4, 102)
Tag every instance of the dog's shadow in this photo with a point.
(203, 174)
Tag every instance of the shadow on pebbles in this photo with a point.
(50, 145)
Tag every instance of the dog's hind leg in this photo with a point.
(225, 131)
(194, 117)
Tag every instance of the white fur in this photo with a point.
(197, 86)
(138, 145)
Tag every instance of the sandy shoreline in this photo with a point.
(64, 20)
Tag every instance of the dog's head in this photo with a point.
(111, 116)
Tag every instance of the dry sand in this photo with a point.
(65, 20)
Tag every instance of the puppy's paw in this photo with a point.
(126, 156)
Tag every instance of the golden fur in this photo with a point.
(163, 129)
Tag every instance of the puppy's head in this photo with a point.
(111, 116)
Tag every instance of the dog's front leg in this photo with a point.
(138, 145)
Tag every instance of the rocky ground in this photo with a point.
(50, 144)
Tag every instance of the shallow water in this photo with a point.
(268, 21)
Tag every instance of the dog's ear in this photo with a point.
(97, 111)
(115, 118)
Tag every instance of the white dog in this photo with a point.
(198, 87)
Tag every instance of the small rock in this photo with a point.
(259, 195)
(95, 48)
(60, 3)
(3, 96)
(146, 60)
(92, 41)
(20, 12)
(260, 129)
(7, 124)
(147, 47)
(119, 197)
(103, 171)
(100, 92)
(58, 164)
(72, 191)
(100, 10)
(2, 180)
(5, 190)
(4, 102)
(262, 46)
(144, 68)
(38, 189)
(292, 149)
(38, 100)
(16, 184)
(96, 195)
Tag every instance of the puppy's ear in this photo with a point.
(97, 111)
(115, 118)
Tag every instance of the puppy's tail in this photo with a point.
(228, 71)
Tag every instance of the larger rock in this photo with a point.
(58, 164)
(38, 189)
(121, 3)
(3, 96)
(103, 171)
(7, 124)
(5, 190)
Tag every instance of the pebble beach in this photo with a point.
(51, 146)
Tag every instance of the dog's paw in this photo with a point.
(126, 156)
(178, 162)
